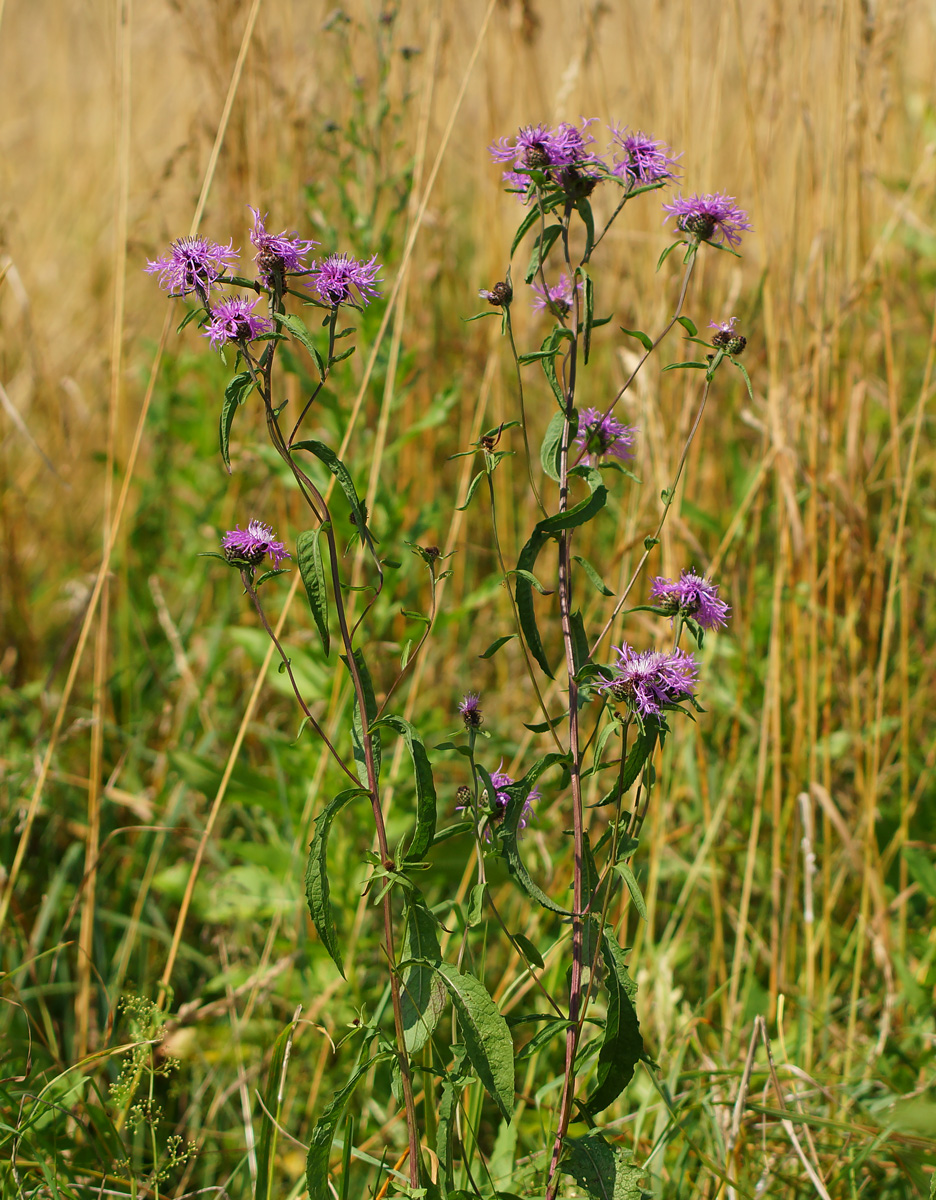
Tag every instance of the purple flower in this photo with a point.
(502, 781)
(711, 217)
(600, 434)
(471, 711)
(556, 299)
(561, 153)
(246, 547)
(649, 680)
(500, 295)
(277, 254)
(644, 159)
(693, 595)
(233, 320)
(335, 276)
(726, 336)
(193, 264)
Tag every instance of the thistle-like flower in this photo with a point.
(247, 547)
(500, 295)
(502, 781)
(233, 320)
(726, 336)
(471, 711)
(711, 218)
(560, 153)
(335, 276)
(193, 264)
(556, 299)
(278, 254)
(640, 159)
(694, 596)
(648, 680)
(600, 434)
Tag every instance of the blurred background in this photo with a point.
(129, 667)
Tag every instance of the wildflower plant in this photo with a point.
(605, 719)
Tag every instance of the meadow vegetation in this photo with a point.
(145, 730)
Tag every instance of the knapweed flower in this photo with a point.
(726, 336)
(335, 276)
(648, 680)
(471, 711)
(277, 253)
(599, 435)
(561, 153)
(693, 595)
(556, 299)
(640, 159)
(193, 264)
(500, 295)
(233, 320)
(711, 218)
(502, 781)
(247, 547)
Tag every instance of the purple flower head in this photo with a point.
(693, 595)
(650, 679)
(233, 320)
(726, 336)
(502, 781)
(599, 435)
(640, 159)
(556, 299)
(277, 254)
(560, 153)
(714, 217)
(335, 276)
(471, 711)
(246, 547)
(193, 264)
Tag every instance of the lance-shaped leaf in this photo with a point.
(606, 1172)
(577, 515)
(517, 794)
(272, 1107)
(425, 787)
(622, 1046)
(525, 226)
(423, 992)
(487, 1038)
(541, 248)
(359, 724)
(300, 332)
(312, 570)
(638, 755)
(316, 879)
(551, 448)
(523, 593)
(589, 314)
(331, 460)
(235, 394)
(452, 1085)
(323, 1132)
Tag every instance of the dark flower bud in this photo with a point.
(500, 295)
(736, 345)
(700, 225)
(463, 796)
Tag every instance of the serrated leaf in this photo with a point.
(541, 248)
(472, 487)
(593, 575)
(297, 327)
(645, 340)
(235, 394)
(425, 786)
(422, 991)
(517, 794)
(689, 326)
(523, 594)
(496, 645)
(323, 1131)
(622, 1046)
(488, 1043)
(316, 877)
(312, 570)
(606, 1172)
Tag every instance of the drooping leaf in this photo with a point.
(606, 1172)
(422, 991)
(630, 879)
(272, 1107)
(645, 340)
(425, 786)
(487, 1038)
(312, 570)
(593, 575)
(622, 1046)
(472, 488)
(688, 325)
(323, 1132)
(316, 878)
(524, 597)
(235, 394)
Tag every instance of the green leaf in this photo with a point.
(551, 448)
(633, 887)
(312, 570)
(523, 594)
(452, 1086)
(331, 460)
(272, 1108)
(323, 1132)
(359, 725)
(316, 877)
(553, 1027)
(593, 575)
(922, 869)
(667, 252)
(541, 248)
(297, 327)
(524, 228)
(423, 993)
(643, 338)
(472, 487)
(533, 955)
(487, 1039)
(689, 326)
(337, 358)
(747, 378)
(580, 652)
(476, 905)
(517, 794)
(579, 514)
(639, 753)
(585, 212)
(496, 645)
(549, 366)
(695, 365)
(531, 579)
(235, 394)
(589, 293)
(425, 786)
(622, 1046)
(606, 1172)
